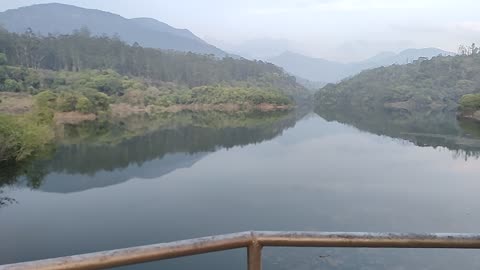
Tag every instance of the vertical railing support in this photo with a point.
(254, 251)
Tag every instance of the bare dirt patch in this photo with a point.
(202, 107)
(72, 117)
(15, 103)
(266, 107)
(227, 107)
(125, 109)
(475, 115)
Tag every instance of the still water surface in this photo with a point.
(186, 182)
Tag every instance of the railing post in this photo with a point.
(254, 251)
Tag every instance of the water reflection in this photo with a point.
(185, 133)
(319, 175)
(427, 128)
(30, 173)
(103, 153)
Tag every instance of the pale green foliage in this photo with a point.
(221, 94)
(67, 101)
(85, 101)
(470, 102)
(423, 85)
(12, 86)
(82, 52)
(3, 59)
(46, 99)
(84, 105)
(22, 136)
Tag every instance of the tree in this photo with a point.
(473, 49)
(468, 50)
(67, 102)
(470, 102)
(12, 86)
(3, 59)
(84, 105)
(100, 101)
(81, 51)
(46, 99)
(462, 50)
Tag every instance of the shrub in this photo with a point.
(22, 137)
(470, 102)
(84, 105)
(67, 102)
(46, 99)
(12, 86)
(3, 59)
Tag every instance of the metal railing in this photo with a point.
(254, 241)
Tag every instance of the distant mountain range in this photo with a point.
(64, 19)
(261, 48)
(312, 69)
(321, 70)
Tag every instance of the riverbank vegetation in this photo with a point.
(420, 102)
(91, 91)
(470, 103)
(71, 78)
(425, 85)
(110, 144)
(81, 51)
(23, 136)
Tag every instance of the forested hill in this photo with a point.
(81, 50)
(436, 84)
(321, 70)
(48, 79)
(64, 19)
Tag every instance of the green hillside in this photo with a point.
(436, 84)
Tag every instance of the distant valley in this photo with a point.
(313, 73)
(325, 71)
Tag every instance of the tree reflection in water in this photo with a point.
(91, 147)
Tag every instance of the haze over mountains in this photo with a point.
(312, 72)
(259, 48)
(63, 19)
(321, 70)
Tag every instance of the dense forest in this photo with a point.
(86, 74)
(81, 51)
(425, 85)
(92, 91)
(419, 102)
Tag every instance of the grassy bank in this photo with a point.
(23, 136)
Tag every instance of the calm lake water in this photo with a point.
(288, 172)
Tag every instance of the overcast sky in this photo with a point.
(334, 29)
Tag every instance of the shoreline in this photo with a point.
(122, 110)
(125, 109)
(474, 116)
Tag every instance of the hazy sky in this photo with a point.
(335, 29)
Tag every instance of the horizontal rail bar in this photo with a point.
(141, 254)
(369, 240)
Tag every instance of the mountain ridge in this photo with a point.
(323, 70)
(56, 18)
